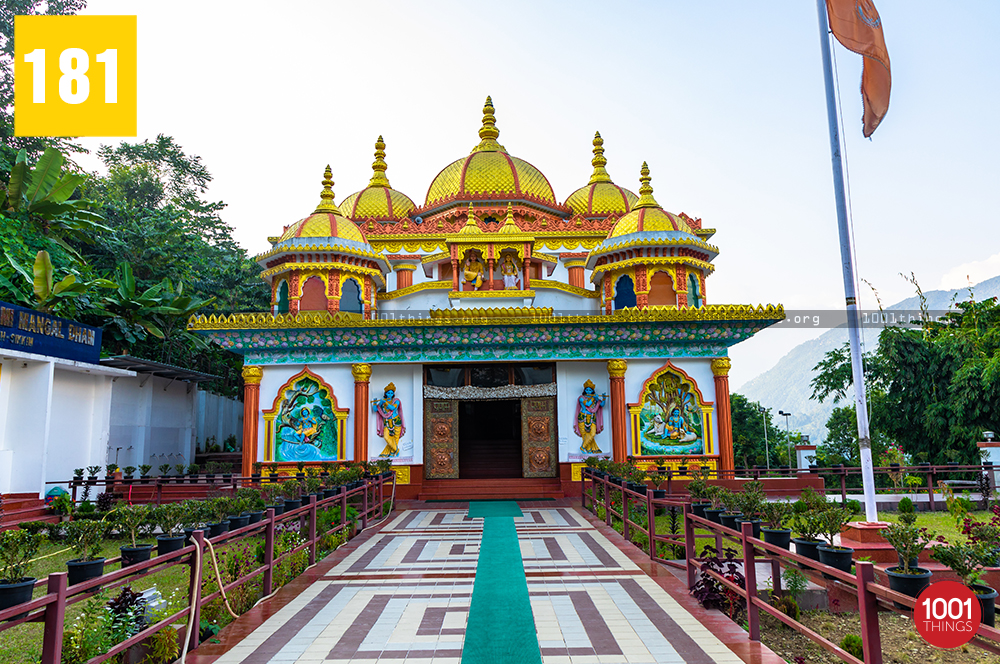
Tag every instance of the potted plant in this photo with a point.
(128, 472)
(78, 475)
(715, 496)
(210, 469)
(164, 469)
(313, 486)
(909, 542)
(130, 519)
(698, 489)
(169, 518)
(730, 518)
(92, 473)
(193, 470)
(272, 498)
(776, 514)
(749, 501)
(111, 468)
(238, 516)
(194, 515)
(659, 478)
(832, 521)
(301, 475)
(968, 561)
(17, 549)
(218, 509)
(144, 473)
(179, 468)
(272, 469)
(253, 503)
(682, 466)
(292, 491)
(257, 466)
(808, 527)
(85, 537)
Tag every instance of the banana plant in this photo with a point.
(69, 295)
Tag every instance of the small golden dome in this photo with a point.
(489, 173)
(326, 221)
(378, 201)
(601, 197)
(647, 215)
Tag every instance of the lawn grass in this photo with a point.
(941, 523)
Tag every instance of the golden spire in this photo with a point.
(488, 133)
(509, 227)
(470, 223)
(598, 162)
(646, 190)
(326, 203)
(378, 166)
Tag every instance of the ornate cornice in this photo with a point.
(460, 295)
(416, 288)
(708, 268)
(543, 284)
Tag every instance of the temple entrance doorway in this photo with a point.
(489, 439)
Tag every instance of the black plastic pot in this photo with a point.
(84, 570)
(807, 548)
(914, 562)
(12, 594)
(279, 509)
(273, 477)
(639, 489)
(190, 531)
(682, 470)
(778, 537)
(698, 509)
(908, 584)
(216, 529)
(659, 493)
(731, 520)
(144, 479)
(839, 557)
(756, 526)
(987, 599)
(237, 522)
(168, 544)
(133, 555)
(329, 493)
(193, 479)
(292, 504)
(255, 517)
(714, 515)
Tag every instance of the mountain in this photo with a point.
(786, 385)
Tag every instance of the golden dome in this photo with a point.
(378, 201)
(601, 197)
(490, 173)
(647, 215)
(326, 221)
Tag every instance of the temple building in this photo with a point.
(491, 336)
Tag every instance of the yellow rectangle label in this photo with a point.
(75, 76)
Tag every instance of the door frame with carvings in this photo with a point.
(539, 437)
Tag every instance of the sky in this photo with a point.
(723, 99)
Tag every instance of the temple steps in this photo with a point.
(491, 489)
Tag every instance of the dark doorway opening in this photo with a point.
(489, 439)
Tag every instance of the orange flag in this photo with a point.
(856, 25)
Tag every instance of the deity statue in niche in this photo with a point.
(510, 273)
(590, 417)
(472, 270)
(303, 425)
(389, 420)
(670, 421)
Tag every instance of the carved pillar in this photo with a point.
(366, 296)
(575, 269)
(251, 407)
(333, 292)
(362, 374)
(526, 281)
(454, 274)
(293, 293)
(489, 272)
(619, 442)
(404, 275)
(682, 286)
(723, 414)
(608, 295)
(641, 288)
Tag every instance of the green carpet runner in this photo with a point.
(501, 628)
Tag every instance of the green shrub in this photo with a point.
(854, 507)
(852, 643)
(787, 605)
(905, 506)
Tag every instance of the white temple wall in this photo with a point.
(570, 377)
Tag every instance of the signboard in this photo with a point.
(35, 332)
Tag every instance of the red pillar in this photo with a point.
(720, 369)
(619, 442)
(251, 408)
(575, 275)
(404, 275)
(489, 272)
(362, 374)
(454, 275)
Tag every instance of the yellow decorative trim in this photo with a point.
(394, 244)
(416, 288)
(576, 263)
(708, 268)
(315, 269)
(617, 368)
(721, 366)
(458, 295)
(324, 319)
(433, 258)
(405, 266)
(477, 314)
(611, 246)
(558, 285)
(402, 474)
(572, 242)
(313, 248)
(362, 372)
(252, 375)
(545, 257)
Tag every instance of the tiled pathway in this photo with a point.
(403, 596)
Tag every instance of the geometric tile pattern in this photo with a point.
(404, 595)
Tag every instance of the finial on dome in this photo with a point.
(379, 166)
(599, 161)
(509, 226)
(488, 133)
(645, 190)
(470, 222)
(326, 203)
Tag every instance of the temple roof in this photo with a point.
(378, 201)
(601, 196)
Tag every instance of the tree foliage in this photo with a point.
(748, 435)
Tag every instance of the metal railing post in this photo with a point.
(607, 503)
(583, 488)
(930, 489)
(159, 492)
(364, 506)
(843, 486)
(868, 606)
(313, 535)
(650, 524)
(268, 581)
(624, 513)
(194, 588)
(343, 505)
(55, 617)
(750, 581)
(689, 546)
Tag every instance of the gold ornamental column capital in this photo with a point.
(252, 374)
(721, 366)
(362, 372)
(616, 368)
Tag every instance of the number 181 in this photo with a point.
(74, 63)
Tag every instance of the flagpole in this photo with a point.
(847, 258)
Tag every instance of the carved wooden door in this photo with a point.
(440, 439)
(539, 451)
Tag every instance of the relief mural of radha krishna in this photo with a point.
(305, 423)
(671, 417)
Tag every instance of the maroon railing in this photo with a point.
(50, 608)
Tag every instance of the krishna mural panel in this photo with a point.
(305, 423)
(671, 417)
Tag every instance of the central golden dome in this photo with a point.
(489, 173)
